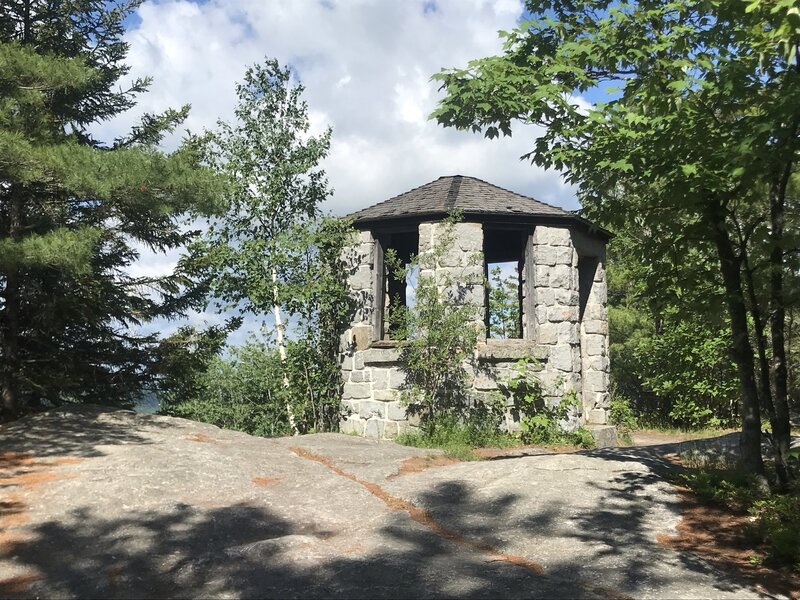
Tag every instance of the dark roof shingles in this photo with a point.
(471, 195)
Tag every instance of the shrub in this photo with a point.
(621, 413)
(777, 524)
(688, 364)
(729, 488)
(776, 518)
(437, 333)
(622, 416)
(541, 422)
(243, 392)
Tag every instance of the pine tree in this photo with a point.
(74, 211)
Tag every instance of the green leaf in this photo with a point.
(689, 170)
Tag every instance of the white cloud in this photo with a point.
(366, 66)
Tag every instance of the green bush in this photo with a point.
(777, 524)
(622, 416)
(243, 392)
(729, 488)
(687, 366)
(541, 422)
(776, 518)
(621, 413)
(438, 333)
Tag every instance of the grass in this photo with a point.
(689, 434)
(458, 440)
(624, 438)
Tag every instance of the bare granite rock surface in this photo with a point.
(99, 503)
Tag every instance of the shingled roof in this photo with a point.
(468, 194)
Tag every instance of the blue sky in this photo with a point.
(366, 66)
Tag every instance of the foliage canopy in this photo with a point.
(699, 118)
(75, 213)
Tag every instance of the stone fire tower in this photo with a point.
(559, 260)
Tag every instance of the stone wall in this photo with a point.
(594, 351)
(370, 396)
(570, 353)
(555, 297)
(371, 375)
(359, 258)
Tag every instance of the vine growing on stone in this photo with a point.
(542, 420)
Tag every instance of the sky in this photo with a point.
(366, 67)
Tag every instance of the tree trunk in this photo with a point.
(9, 347)
(741, 350)
(781, 428)
(764, 388)
(276, 310)
(791, 358)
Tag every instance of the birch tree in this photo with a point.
(272, 164)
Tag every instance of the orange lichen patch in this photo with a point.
(12, 511)
(651, 437)
(422, 516)
(265, 481)
(12, 514)
(23, 472)
(417, 464)
(17, 585)
(496, 452)
(11, 542)
(28, 479)
(718, 536)
(13, 460)
(518, 451)
(66, 460)
(18, 470)
(202, 437)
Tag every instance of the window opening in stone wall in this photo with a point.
(399, 248)
(504, 256)
(505, 319)
(587, 267)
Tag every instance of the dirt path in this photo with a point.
(115, 504)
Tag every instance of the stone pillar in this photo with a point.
(360, 279)
(358, 257)
(461, 264)
(594, 350)
(556, 304)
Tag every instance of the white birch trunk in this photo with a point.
(276, 309)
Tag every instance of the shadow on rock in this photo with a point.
(246, 551)
(74, 431)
